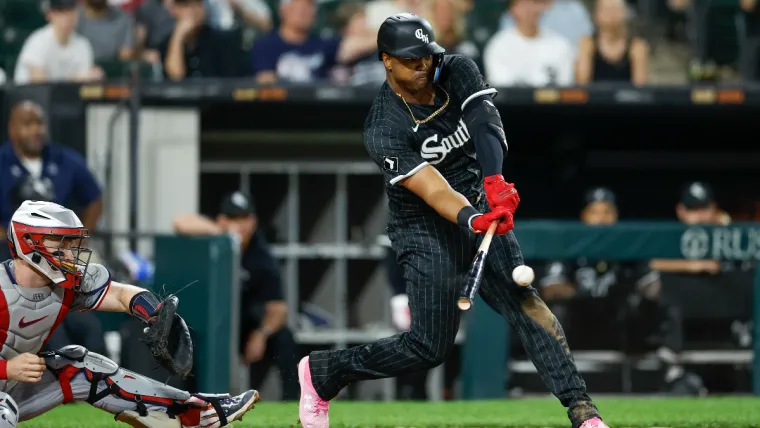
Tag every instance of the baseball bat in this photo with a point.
(475, 276)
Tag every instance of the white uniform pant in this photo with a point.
(74, 385)
(34, 399)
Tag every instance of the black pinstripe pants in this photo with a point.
(436, 256)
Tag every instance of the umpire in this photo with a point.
(265, 338)
(434, 131)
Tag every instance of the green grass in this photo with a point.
(728, 412)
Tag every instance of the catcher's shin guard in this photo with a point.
(73, 359)
(180, 408)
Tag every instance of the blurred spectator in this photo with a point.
(568, 18)
(110, 31)
(3, 77)
(154, 25)
(583, 291)
(351, 19)
(196, 50)
(717, 286)
(265, 337)
(611, 54)
(379, 10)
(448, 18)
(524, 55)
(56, 52)
(697, 206)
(750, 66)
(254, 13)
(33, 168)
(292, 53)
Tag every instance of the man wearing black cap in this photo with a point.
(435, 133)
(697, 206)
(684, 278)
(265, 337)
(583, 291)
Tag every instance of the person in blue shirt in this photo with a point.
(292, 53)
(31, 167)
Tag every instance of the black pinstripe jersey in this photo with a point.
(400, 147)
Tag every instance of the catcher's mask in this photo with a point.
(50, 238)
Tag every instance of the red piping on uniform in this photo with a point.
(68, 298)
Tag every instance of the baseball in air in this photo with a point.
(523, 275)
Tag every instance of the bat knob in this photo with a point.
(464, 304)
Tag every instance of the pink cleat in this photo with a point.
(312, 410)
(594, 423)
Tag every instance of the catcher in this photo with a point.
(50, 275)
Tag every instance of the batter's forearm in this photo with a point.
(448, 203)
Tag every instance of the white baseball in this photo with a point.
(523, 275)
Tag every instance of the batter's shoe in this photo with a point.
(312, 409)
(594, 423)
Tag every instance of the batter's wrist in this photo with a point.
(465, 216)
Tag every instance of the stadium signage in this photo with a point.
(721, 243)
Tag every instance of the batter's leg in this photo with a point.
(435, 322)
(538, 329)
(434, 272)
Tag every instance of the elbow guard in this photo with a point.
(482, 117)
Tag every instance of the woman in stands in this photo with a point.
(611, 54)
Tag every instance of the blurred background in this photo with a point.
(214, 148)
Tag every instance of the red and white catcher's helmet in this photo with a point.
(49, 237)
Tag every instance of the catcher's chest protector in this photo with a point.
(28, 316)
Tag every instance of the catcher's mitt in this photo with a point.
(168, 338)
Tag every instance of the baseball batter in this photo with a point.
(437, 136)
(50, 275)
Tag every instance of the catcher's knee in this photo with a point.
(8, 411)
(69, 361)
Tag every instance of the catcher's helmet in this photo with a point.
(49, 237)
(407, 35)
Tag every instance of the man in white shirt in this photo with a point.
(55, 52)
(525, 55)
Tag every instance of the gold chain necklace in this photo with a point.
(435, 113)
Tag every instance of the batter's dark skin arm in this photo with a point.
(430, 185)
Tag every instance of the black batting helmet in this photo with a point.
(407, 35)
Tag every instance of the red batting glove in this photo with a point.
(499, 193)
(480, 224)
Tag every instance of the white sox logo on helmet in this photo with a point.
(421, 35)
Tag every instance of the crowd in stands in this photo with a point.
(516, 42)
